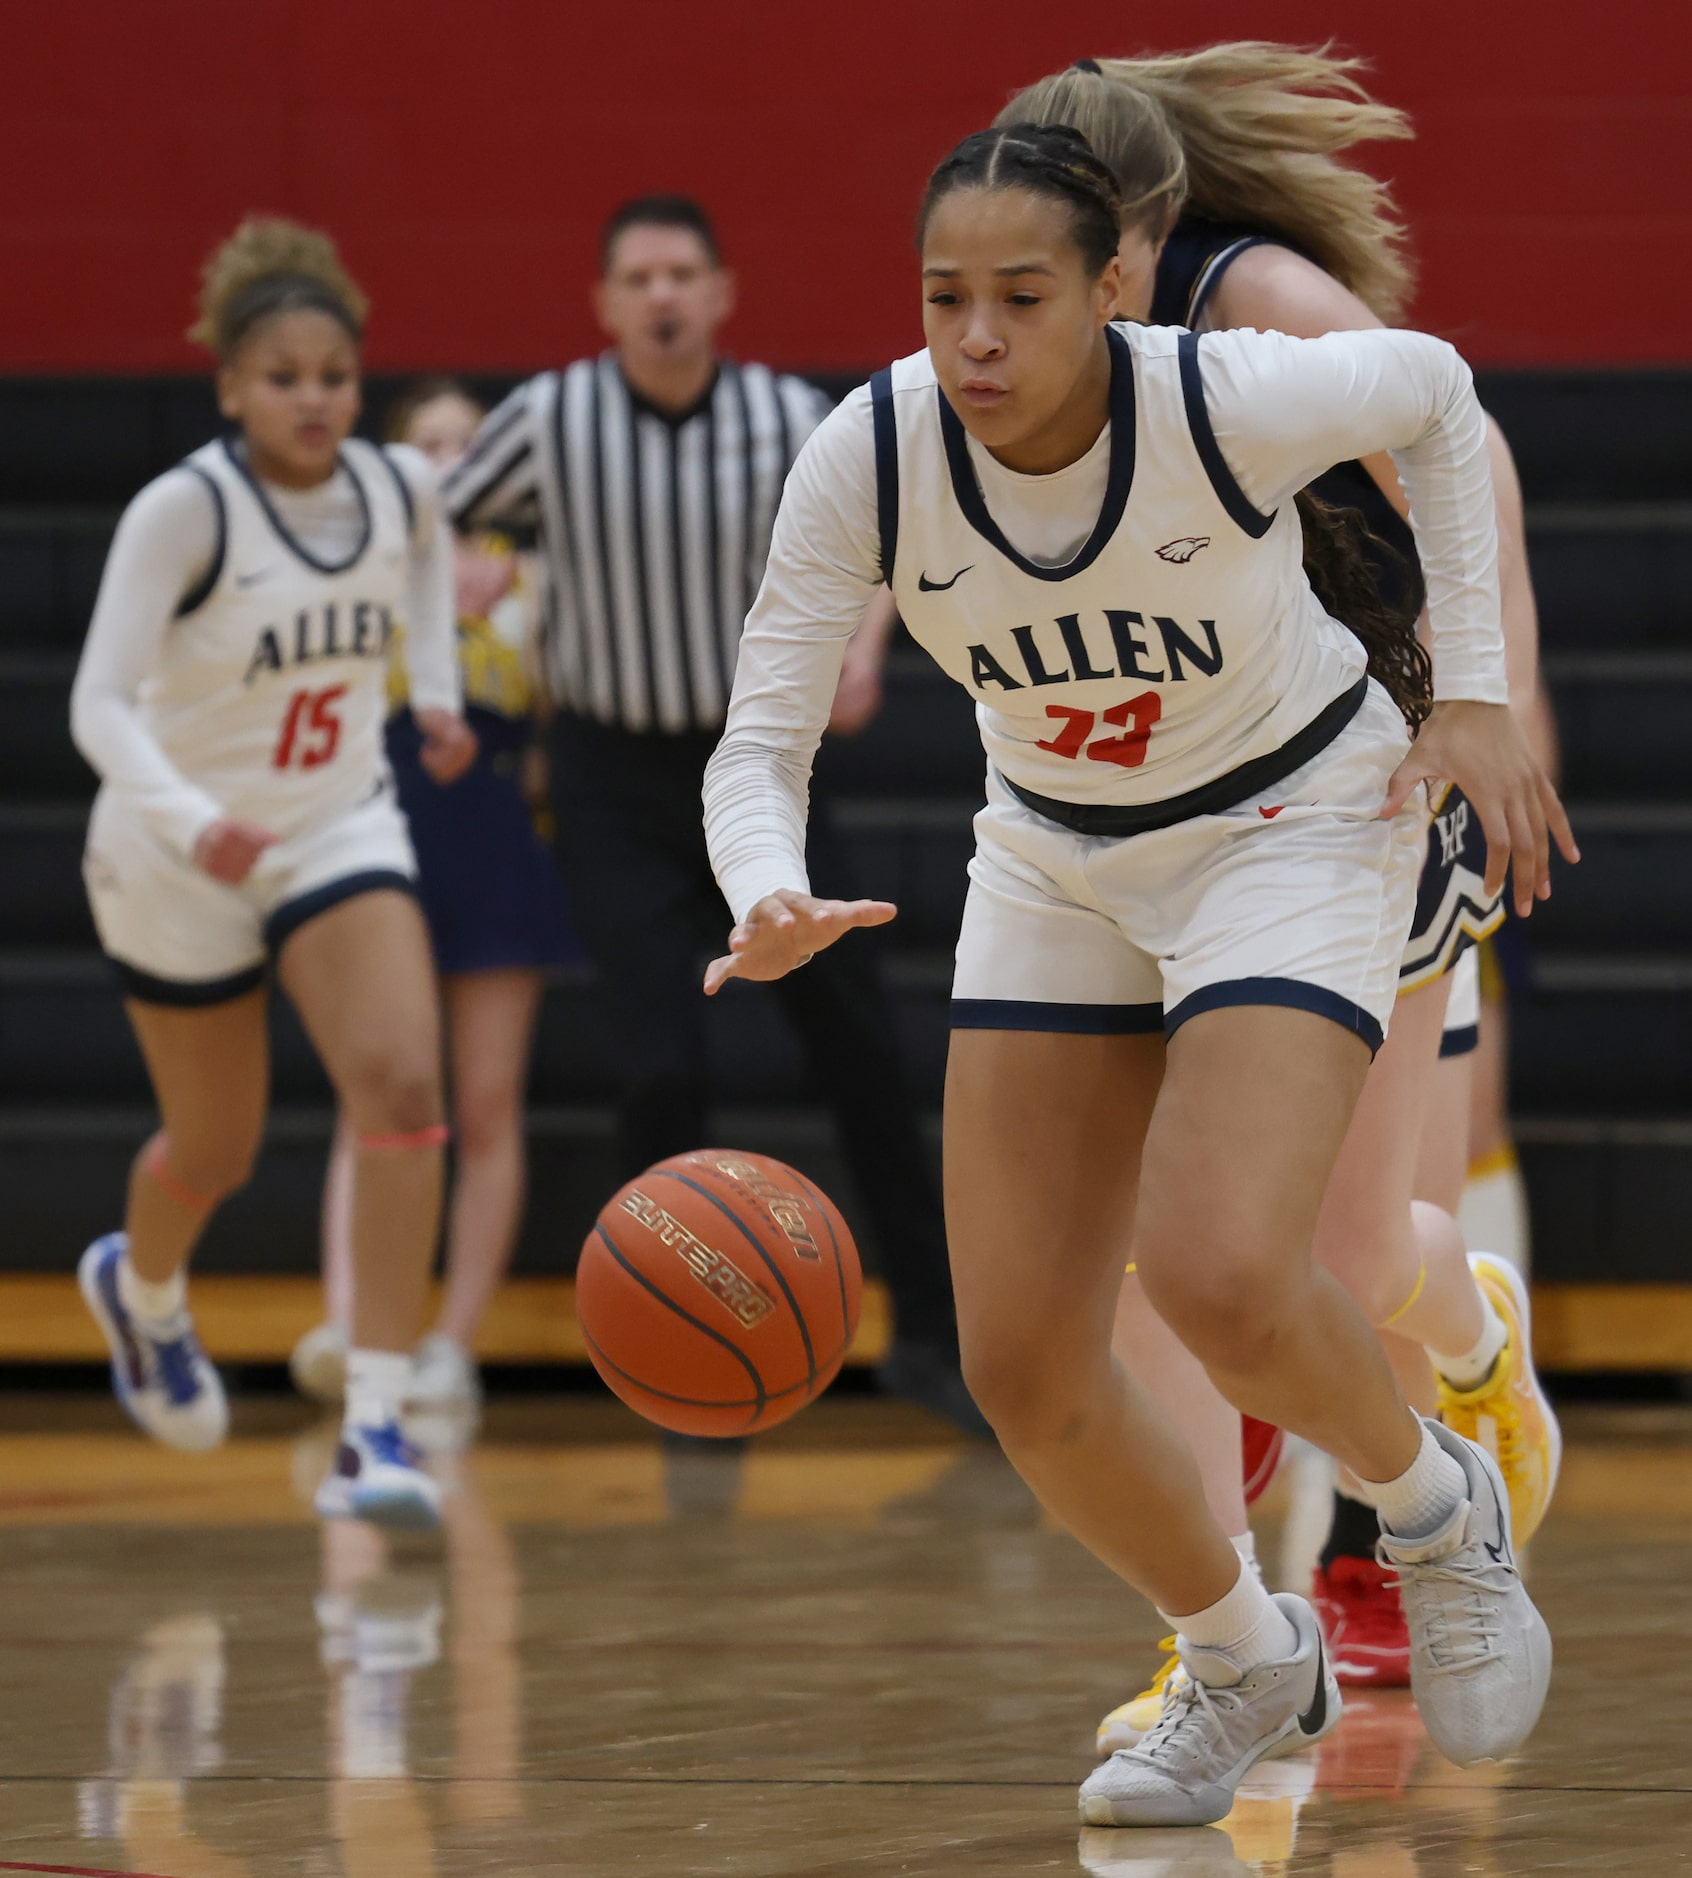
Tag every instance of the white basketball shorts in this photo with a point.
(1301, 896)
(176, 936)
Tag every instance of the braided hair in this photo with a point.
(1046, 160)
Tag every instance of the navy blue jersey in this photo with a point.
(1194, 259)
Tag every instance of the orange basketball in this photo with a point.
(718, 1292)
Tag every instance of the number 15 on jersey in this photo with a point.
(311, 730)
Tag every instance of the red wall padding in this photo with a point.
(465, 153)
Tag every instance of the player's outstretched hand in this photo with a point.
(784, 930)
(229, 849)
(449, 744)
(1481, 749)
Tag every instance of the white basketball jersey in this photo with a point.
(270, 687)
(1182, 640)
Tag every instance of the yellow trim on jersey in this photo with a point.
(1446, 958)
(1494, 988)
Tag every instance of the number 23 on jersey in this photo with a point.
(1135, 719)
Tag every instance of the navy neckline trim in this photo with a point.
(1228, 491)
(286, 535)
(974, 506)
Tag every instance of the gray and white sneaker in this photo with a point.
(1184, 1772)
(1480, 1655)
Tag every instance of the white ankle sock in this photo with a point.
(376, 1385)
(1469, 1368)
(152, 1303)
(1423, 1497)
(1246, 1628)
(1245, 1543)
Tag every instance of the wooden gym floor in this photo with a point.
(855, 1649)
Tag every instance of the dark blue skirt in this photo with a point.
(490, 890)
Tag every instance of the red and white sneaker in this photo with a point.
(1362, 1616)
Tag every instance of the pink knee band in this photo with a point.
(435, 1137)
(155, 1159)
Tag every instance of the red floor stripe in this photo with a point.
(76, 1871)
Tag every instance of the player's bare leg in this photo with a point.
(363, 982)
(210, 1071)
(362, 979)
(210, 1075)
(1041, 1176)
(490, 1020)
(1407, 1264)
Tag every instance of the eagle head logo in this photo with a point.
(1182, 551)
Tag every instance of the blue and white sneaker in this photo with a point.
(159, 1372)
(378, 1475)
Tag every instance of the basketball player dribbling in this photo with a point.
(1226, 160)
(1193, 881)
(231, 695)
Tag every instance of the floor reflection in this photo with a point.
(861, 1651)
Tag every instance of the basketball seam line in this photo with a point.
(756, 1244)
(755, 1407)
(686, 1316)
(848, 1329)
(694, 1401)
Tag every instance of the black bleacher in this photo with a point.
(1602, 1067)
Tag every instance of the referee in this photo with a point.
(652, 474)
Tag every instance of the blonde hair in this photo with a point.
(1248, 131)
(271, 266)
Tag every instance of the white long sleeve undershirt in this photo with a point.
(163, 547)
(1282, 409)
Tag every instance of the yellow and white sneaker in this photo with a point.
(1124, 1726)
(1508, 1414)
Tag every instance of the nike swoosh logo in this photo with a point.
(925, 585)
(1498, 1557)
(252, 580)
(1270, 814)
(1315, 1718)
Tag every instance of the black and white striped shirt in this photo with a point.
(654, 528)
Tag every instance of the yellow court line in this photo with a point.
(533, 1320)
(247, 1319)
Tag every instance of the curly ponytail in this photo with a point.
(269, 266)
(1343, 560)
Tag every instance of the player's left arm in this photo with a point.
(431, 640)
(1285, 409)
(1272, 289)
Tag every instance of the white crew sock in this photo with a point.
(376, 1385)
(152, 1303)
(1423, 1497)
(1469, 1368)
(1245, 1543)
(1236, 1633)
(1494, 1210)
